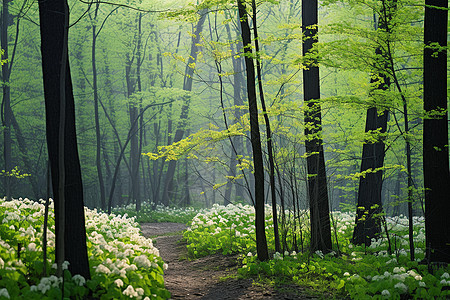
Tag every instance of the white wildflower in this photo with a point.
(65, 265)
(277, 256)
(346, 274)
(385, 293)
(402, 287)
(31, 247)
(118, 282)
(142, 261)
(445, 275)
(79, 280)
(4, 293)
(103, 269)
(422, 284)
(140, 291)
(130, 292)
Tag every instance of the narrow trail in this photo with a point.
(203, 278)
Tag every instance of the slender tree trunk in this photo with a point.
(54, 25)
(137, 146)
(6, 101)
(435, 134)
(96, 115)
(268, 132)
(187, 86)
(236, 141)
(261, 242)
(317, 177)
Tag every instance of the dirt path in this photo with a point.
(203, 278)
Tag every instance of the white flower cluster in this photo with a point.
(445, 279)
(117, 236)
(47, 283)
(4, 293)
(133, 293)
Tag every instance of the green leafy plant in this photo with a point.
(360, 272)
(123, 263)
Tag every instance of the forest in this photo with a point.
(305, 140)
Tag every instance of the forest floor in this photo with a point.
(213, 277)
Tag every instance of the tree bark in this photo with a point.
(53, 26)
(6, 101)
(258, 165)
(268, 133)
(317, 177)
(369, 207)
(435, 134)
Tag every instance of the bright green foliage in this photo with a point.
(123, 264)
(15, 172)
(359, 272)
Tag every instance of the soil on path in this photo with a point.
(208, 278)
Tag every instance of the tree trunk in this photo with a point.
(53, 25)
(317, 177)
(370, 207)
(96, 115)
(237, 143)
(435, 134)
(187, 86)
(6, 102)
(261, 242)
(268, 132)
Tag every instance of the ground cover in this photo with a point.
(211, 277)
(359, 272)
(158, 213)
(123, 263)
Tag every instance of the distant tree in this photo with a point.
(187, 86)
(65, 165)
(435, 133)
(317, 178)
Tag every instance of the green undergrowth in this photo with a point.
(358, 272)
(158, 214)
(123, 263)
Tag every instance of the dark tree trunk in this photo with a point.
(53, 25)
(261, 242)
(370, 207)
(268, 133)
(317, 177)
(187, 86)
(435, 134)
(6, 101)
